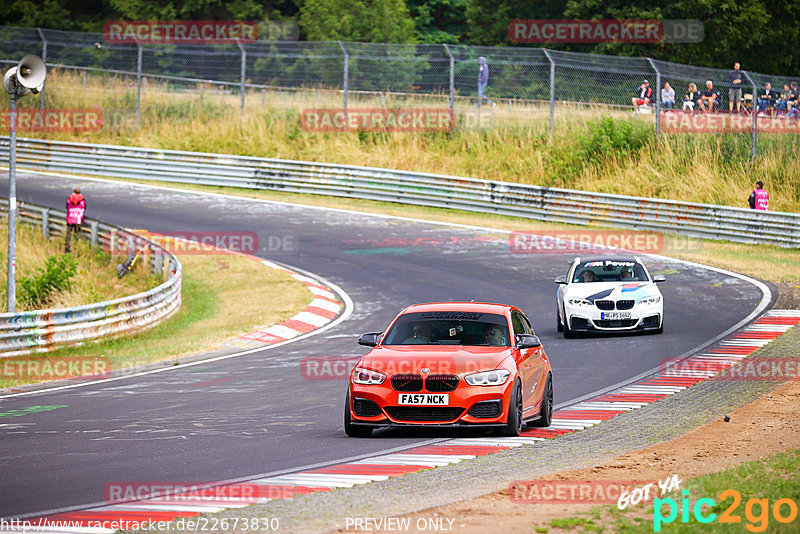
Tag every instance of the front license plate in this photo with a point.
(615, 315)
(424, 399)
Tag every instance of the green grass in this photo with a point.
(594, 148)
(96, 278)
(767, 480)
(246, 295)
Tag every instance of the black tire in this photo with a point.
(559, 326)
(354, 431)
(546, 411)
(568, 332)
(514, 425)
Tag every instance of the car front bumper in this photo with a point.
(591, 319)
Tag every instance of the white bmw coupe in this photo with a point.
(609, 294)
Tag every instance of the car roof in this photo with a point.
(477, 307)
(612, 257)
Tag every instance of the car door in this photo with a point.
(538, 374)
(526, 360)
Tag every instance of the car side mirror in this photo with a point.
(528, 341)
(371, 339)
(561, 279)
(658, 278)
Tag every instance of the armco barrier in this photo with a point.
(506, 198)
(42, 330)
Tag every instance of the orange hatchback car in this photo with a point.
(451, 364)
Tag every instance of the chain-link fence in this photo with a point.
(526, 82)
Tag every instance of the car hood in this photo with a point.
(611, 290)
(447, 359)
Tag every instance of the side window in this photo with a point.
(518, 323)
(528, 328)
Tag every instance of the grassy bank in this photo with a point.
(245, 295)
(593, 149)
(95, 272)
(759, 485)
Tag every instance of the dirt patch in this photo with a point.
(788, 296)
(766, 427)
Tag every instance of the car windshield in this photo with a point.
(449, 328)
(609, 271)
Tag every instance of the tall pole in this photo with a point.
(138, 82)
(754, 143)
(44, 58)
(658, 98)
(243, 76)
(346, 75)
(552, 91)
(452, 82)
(12, 207)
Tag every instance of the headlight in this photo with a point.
(488, 378)
(654, 299)
(580, 302)
(367, 376)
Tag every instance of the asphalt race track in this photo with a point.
(256, 414)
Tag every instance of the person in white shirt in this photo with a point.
(667, 96)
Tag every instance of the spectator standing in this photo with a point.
(735, 92)
(691, 98)
(767, 97)
(708, 97)
(759, 198)
(667, 96)
(644, 96)
(483, 81)
(76, 209)
(794, 99)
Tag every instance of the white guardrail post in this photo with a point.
(423, 189)
(43, 330)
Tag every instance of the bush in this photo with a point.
(57, 274)
(608, 138)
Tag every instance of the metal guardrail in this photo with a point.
(406, 187)
(44, 330)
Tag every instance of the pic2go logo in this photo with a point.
(756, 511)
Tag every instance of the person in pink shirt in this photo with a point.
(76, 209)
(759, 198)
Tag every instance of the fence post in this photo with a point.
(755, 114)
(658, 99)
(94, 239)
(243, 74)
(44, 58)
(452, 82)
(46, 223)
(552, 90)
(346, 75)
(138, 82)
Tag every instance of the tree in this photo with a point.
(440, 21)
(374, 21)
